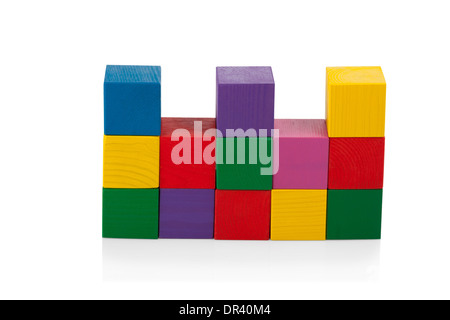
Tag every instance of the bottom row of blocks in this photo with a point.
(242, 215)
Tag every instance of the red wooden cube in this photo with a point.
(242, 215)
(356, 163)
(194, 171)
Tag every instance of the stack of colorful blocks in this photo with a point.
(187, 185)
(132, 104)
(243, 175)
(245, 119)
(299, 195)
(356, 99)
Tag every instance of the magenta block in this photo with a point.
(245, 99)
(303, 154)
(186, 213)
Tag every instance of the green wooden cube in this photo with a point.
(242, 161)
(354, 214)
(130, 213)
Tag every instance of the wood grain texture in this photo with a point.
(301, 128)
(354, 214)
(185, 176)
(356, 163)
(303, 154)
(245, 176)
(355, 101)
(132, 100)
(242, 215)
(298, 214)
(130, 162)
(245, 98)
(130, 213)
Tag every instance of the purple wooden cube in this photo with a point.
(303, 154)
(186, 213)
(245, 99)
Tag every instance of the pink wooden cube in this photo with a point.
(303, 154)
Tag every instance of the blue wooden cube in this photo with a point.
(132, 100)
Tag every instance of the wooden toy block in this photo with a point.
(303, 154)
(354, 214)
(130, 213)
(242, 215)
(193, 172)
(356, 163)
(355, 101)
(186, 213)
(244, 173)
(245, 99)
(130, 162)
(298, 215)
(132, 100)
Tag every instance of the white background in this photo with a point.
(53, 57)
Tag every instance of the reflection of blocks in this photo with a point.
(242, 215)
(186, 213)
(248, 157)
(298, 214)
(130, 213)
(132, 100)
(356, 163)
(245, 98)
(354, 214)
(356, 101)
(303, 155)
(131, 162)
(197, 174)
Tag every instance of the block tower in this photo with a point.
(187, 178)
(299, 195)
(244, 120)
(132, 110)
(355, 115)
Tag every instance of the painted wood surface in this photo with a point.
(355, 101)
(186, 213)
(130, 162)
(130, 213)
(298, 214)
(245, 99)
(197, 173)
(244, 174)
(354, 214)
(302, 161)
(242, 215)
(356, 163)
(132, 100)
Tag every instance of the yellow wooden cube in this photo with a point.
(299, 214)
(355, 102)
(131, 162)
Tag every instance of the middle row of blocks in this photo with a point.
(242, 215)
(307, 159)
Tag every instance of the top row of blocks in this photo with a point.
(245, 100)
(355, 100)
(132, 100)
